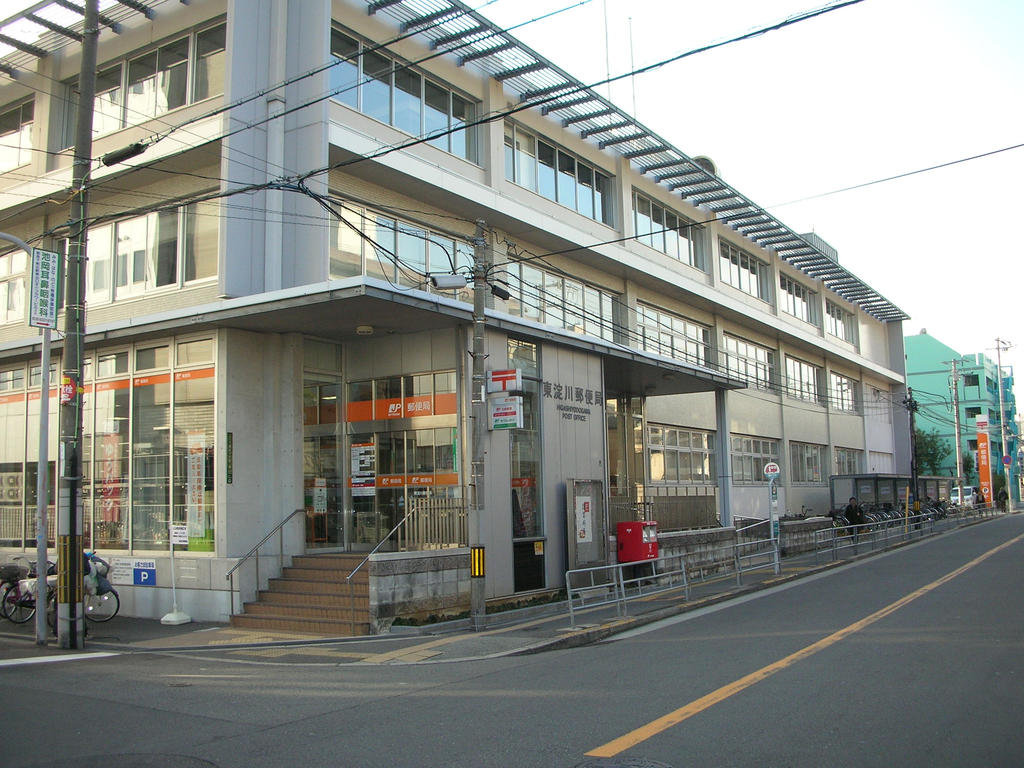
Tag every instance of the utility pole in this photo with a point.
(1000, 346)
(911, 405)
(478, 593)
(956, 425)
(70, 632)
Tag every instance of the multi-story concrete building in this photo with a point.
(263, 333)
(930, 374)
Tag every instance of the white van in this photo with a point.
(964, 499)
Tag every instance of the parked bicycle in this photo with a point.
(18, 597)
(100, 600)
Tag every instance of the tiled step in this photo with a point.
(323, 574)
(303, 586)
(344, 563)
(324, 627)
(326, 599)
(308, 611)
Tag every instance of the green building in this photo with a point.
(930, 374)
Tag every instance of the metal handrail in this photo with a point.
(348, 579)
(229, 576)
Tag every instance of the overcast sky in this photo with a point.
(862, 93)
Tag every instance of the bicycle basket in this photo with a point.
(12, 572)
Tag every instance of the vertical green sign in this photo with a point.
(230, 458)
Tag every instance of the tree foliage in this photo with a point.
(930, 451)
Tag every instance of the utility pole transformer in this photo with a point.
(911, 404)
(1000, 346)
(70, 632)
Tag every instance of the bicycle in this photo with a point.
(18, 597)
(100, 601)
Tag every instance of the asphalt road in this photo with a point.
(913, 658)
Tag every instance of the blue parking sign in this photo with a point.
(144, 573)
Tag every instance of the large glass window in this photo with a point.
(556, 174)
(842, 392)
(549, 298)
(680, 456)
(743, 271)
(141, 254)
(748, 360)
(840, 323)
(151, 459)
(527, 517)
(803, 380)
(16, 136)
(749, 455)
(193, 454)
(13, 266)
(807, 462)
(667, 232)
(391, 92)
(189, 69)
(672, 336)
(848, 461)
(797, 300)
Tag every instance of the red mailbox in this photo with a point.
(637, 541)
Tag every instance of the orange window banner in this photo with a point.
(388, 409)
(361, 410)
(390, 481)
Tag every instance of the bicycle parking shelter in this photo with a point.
(877, 488)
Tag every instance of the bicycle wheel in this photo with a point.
(18, 606)
(102, 607)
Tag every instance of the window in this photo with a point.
(842, 392)
(749, 455)
(797, 300)
(741, 270)
(848, 461)
(806, 462)
(391, 92)
(840, 323)
(680, 456)
(134, 256)
(369, 243)
(970, 379)
(672, 336)
(973, 412)
(560, 302)
(177, 73)
(556, 174)
(749, 361)
(803, 380)
(13, 266)
(667, 232)
(16, 136)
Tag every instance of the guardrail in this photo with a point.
(881, 534)
(619, 583)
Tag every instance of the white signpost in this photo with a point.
(772, 472)
(178, 536)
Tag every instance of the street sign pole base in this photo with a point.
(176, 617)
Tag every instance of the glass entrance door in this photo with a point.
(321, 475)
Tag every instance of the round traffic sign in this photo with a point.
(1007, 460)
(771, 469)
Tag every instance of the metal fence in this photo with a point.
(619, 583)
(879, 534)
(434, 523)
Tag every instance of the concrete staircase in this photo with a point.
(312, 597)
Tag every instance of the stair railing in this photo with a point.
(372, 552)
(279, 529)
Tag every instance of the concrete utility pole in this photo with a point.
(911, 405)
(956, 425)
(70, 632)
(478, 594)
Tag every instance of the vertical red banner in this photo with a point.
(984, 460)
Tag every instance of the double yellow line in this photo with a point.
(644, 732)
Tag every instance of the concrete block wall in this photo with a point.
(416, 585)
(708, 550)
(796, 536)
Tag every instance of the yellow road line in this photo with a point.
(644, 732)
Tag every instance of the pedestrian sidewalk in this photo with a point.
(508, 633)
(517, 632)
